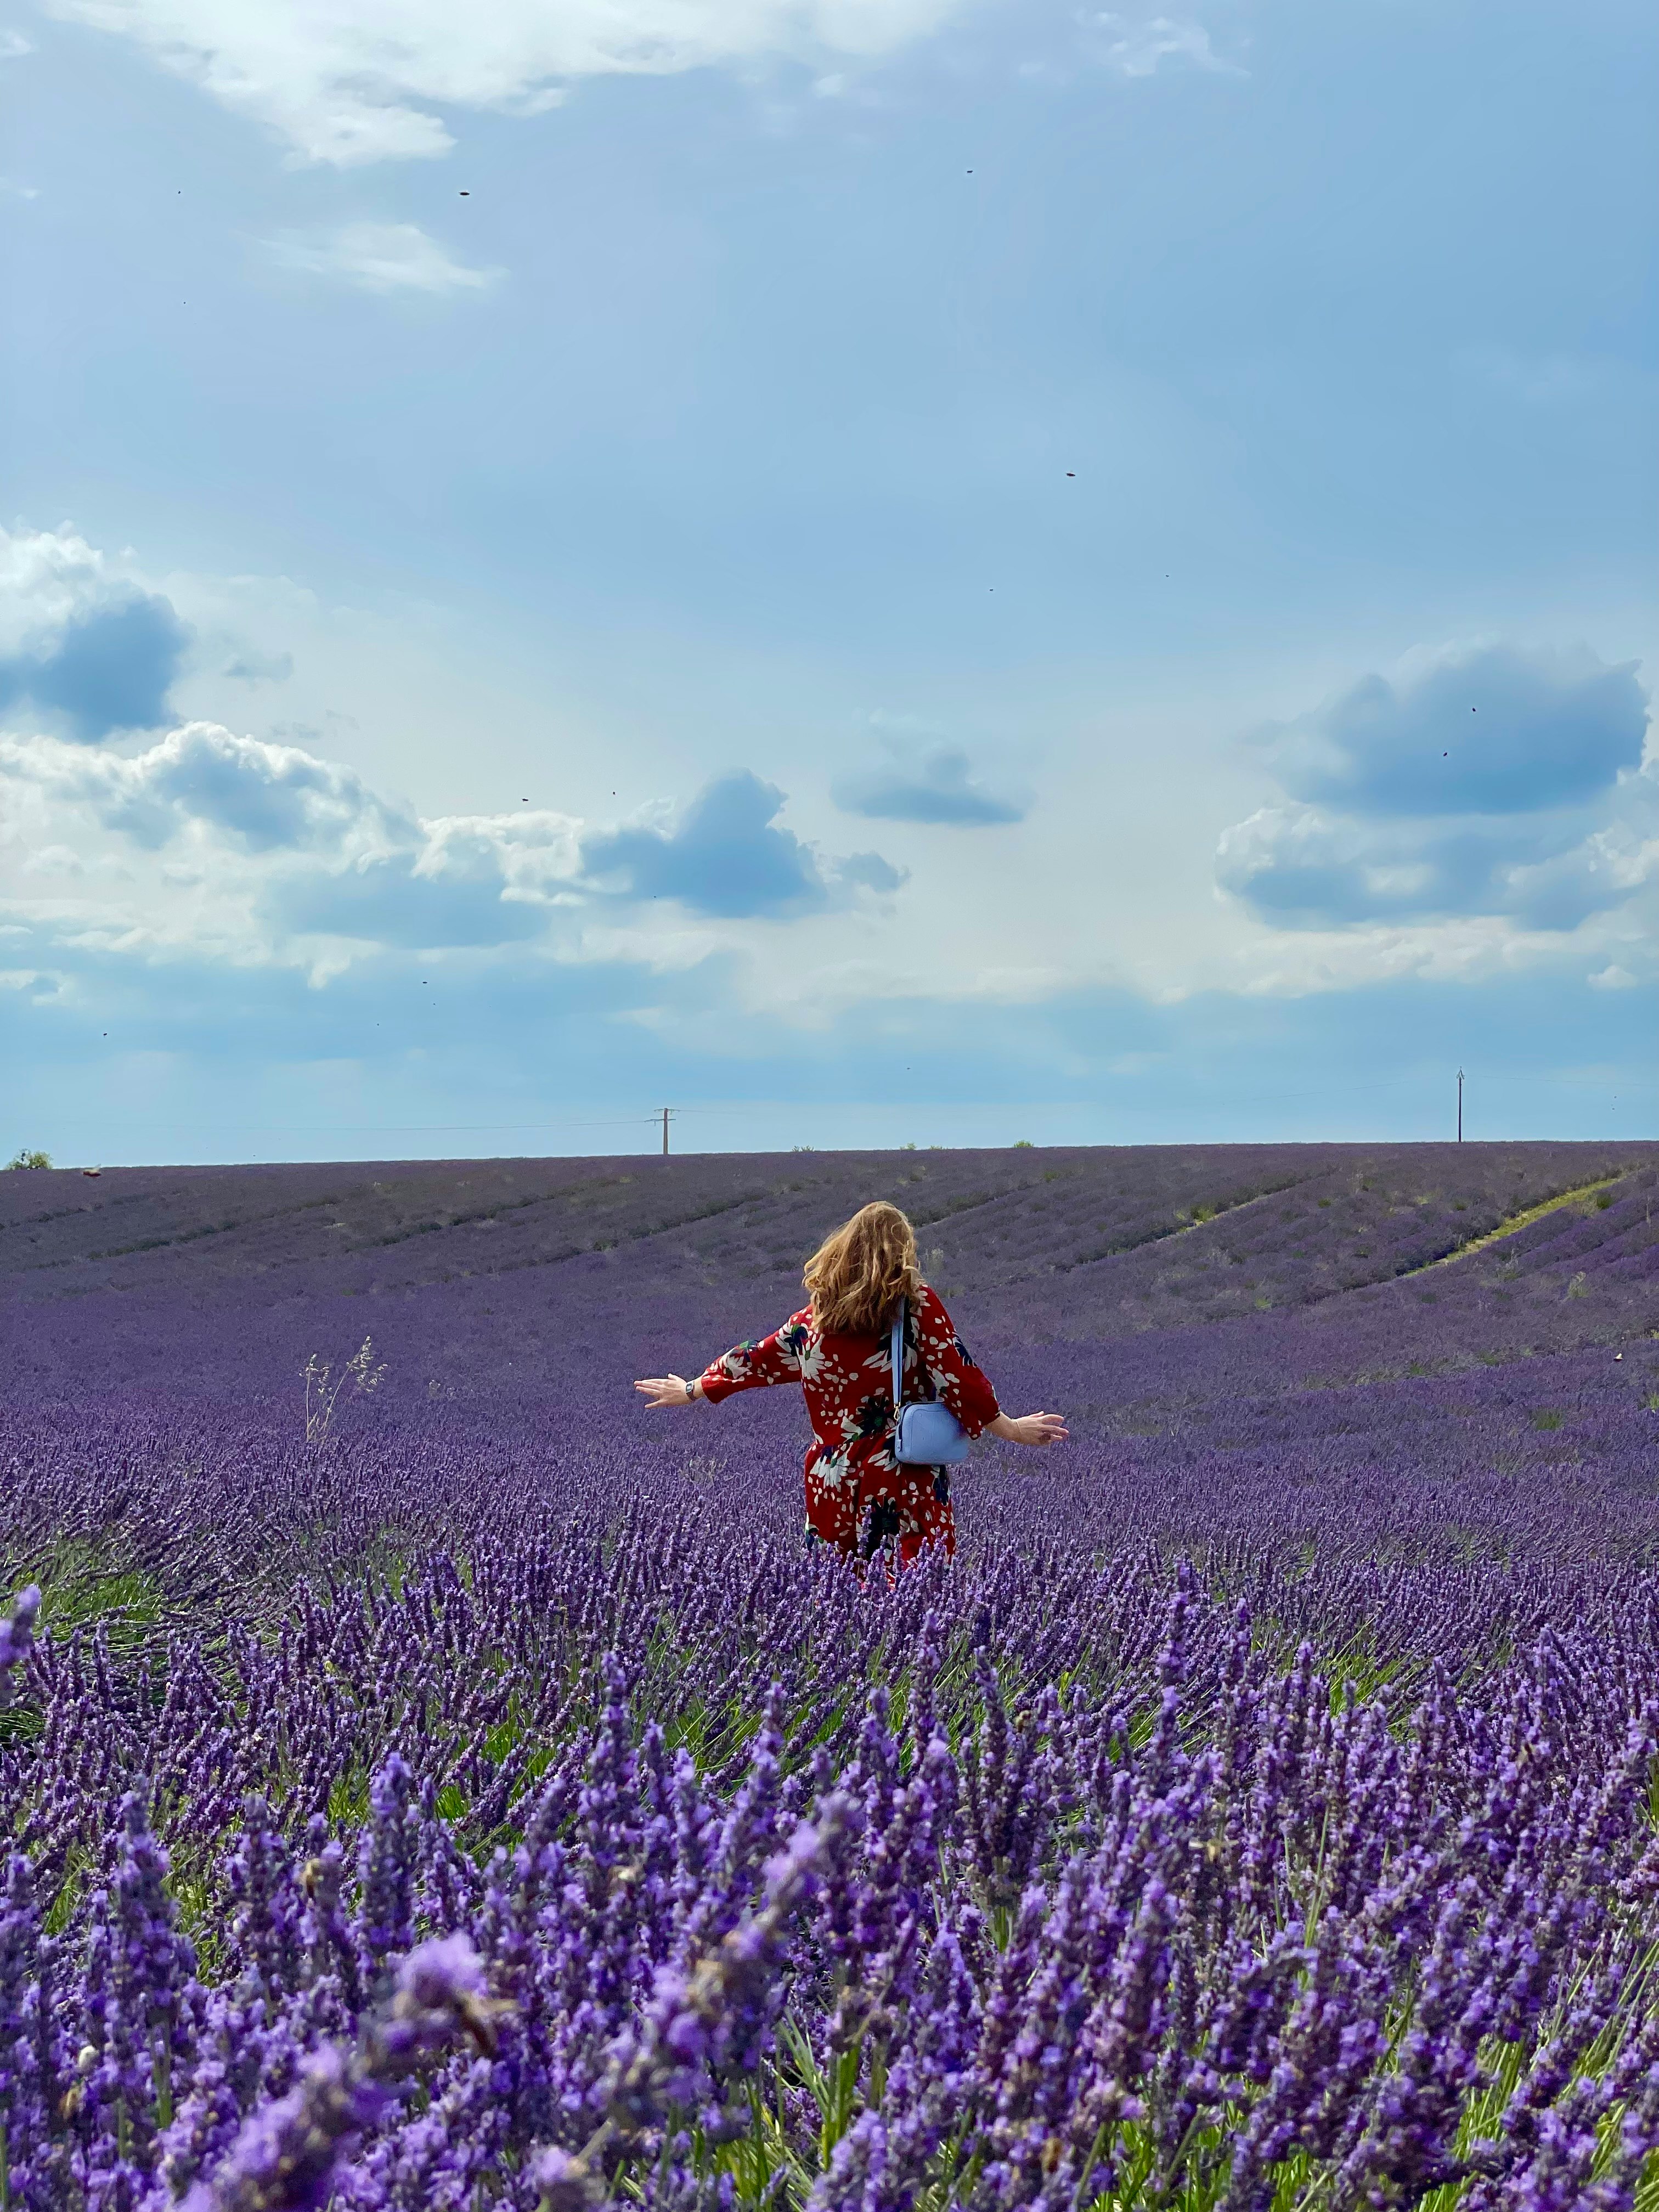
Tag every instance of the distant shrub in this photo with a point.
(1024, 1145)
(27, 1159)
(1193, 1216)
(1603, 1200)
(1548, 1417)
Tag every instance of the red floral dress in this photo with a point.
(857, 1496)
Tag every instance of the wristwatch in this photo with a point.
(690, 1390)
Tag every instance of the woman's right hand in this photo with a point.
(666, 1390)
(1031, 1428)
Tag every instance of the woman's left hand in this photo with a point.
(1038, 1429)
(667, 1391)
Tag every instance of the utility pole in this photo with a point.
(665, 1112)
(1460, 1113)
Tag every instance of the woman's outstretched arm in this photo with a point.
(774, 1358)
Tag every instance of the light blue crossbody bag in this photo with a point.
(926, 1434)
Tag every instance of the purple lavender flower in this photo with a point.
(16, 1634)
(284, 2159)
(286, 2156)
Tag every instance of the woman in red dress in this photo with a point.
(837, 1347)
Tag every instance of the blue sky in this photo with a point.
(878, 571)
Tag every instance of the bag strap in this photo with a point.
(896, 1354)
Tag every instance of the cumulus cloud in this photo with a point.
(1490, 783)
(274, 844)
(361, 83)
(340, 860)
(1485, 731)
(87, 652)
(934, 783)
(380, 257)
(1300, 865)
(46, 576)
(725, 857)
(263, 798)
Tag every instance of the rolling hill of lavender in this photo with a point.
(472, 1790)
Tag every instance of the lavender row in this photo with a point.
(757, 1885)
(1293, 1221)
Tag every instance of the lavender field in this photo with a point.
(487, 1798)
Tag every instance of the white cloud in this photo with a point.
(13, 46)
(348, 84)
(1487, 782)
(1136, 48)
(235, 847)
(256, 797)
(381, 257)
(47, 577)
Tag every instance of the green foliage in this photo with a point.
(88, 1582)
(25, 1158)
(348, 1798)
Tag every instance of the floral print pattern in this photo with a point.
(857, 1497)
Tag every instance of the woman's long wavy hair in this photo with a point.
(857, 1277)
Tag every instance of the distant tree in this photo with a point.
(25, 1158)
(1024, 1145)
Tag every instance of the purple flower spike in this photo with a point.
(285, 2157)
(16, 1634)
(564, 2182)
(441, 1989)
